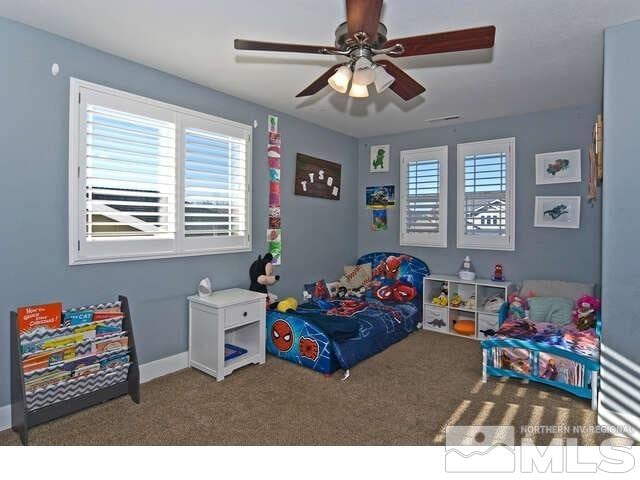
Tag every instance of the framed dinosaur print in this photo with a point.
(379, 158)
(558, 167)
(557, 212)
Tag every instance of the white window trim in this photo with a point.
(488, 146)
(437, 240)
(75, 165)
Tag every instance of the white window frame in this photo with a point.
(507, 242)
(147, 249)
(437, 240)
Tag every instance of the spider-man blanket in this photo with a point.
(340, 335)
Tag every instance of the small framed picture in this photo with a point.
(557, 212)
(558, 167)
(379, 158)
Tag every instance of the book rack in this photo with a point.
(76, 393)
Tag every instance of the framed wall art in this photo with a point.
(379, 158)
(557, 212)
(558, 167)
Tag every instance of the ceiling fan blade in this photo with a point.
(364, 16)
(453, 41)
(404, 86)
(320, 82)
(279, 47)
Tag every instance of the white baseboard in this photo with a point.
(5, 417)
(163, 366)
(148, 371)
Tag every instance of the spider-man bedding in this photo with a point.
(340, 333)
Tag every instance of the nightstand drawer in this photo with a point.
(243, 314)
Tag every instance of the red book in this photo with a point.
(100, 315)
(35, 316)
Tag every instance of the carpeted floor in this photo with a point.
(403, 396)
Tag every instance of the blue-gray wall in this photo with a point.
(34, 267)
(621, 224)
(545, 253)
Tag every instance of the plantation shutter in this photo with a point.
(485, 194)
(127, 177)
(152, 180)
(423, 197)
(486, 182)
(215, 186)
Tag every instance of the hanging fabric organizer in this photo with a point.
(274, 231)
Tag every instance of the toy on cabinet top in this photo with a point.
(498, 274)
(467, 271)
(261, 275)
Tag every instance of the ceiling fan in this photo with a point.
(361, 38)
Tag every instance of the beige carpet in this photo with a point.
(403, 396)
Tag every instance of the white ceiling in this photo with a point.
(548, 53)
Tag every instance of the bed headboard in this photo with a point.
(387, 266)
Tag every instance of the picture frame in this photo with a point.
(559, 167)
(380, 196)
(557, 212)
(379, 158)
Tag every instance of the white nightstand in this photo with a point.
(233, 316)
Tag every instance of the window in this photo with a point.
(486, 186)
(152, 180)
(423, 197)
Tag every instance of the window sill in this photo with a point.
(82, 261)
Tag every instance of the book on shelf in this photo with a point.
(39, 316)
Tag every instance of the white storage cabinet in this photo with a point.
(442, 319)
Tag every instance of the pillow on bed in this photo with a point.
(556, 310)
(317, 290)
(356, 276)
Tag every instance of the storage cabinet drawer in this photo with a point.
(487, 322)
(242, 314)
(435, 318)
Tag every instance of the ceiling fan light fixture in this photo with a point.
(358, 90)
(383, 79)
(363, 71)
(339, 81)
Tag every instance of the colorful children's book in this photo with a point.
(78, 317)
(39, 316)
(107, 314)
(46, 378)
(111, 343)
(114, 360)
(48, 358)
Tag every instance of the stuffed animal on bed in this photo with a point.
(517, 306)
(584, 315)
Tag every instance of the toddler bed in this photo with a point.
(339, 333)
(560, 355)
